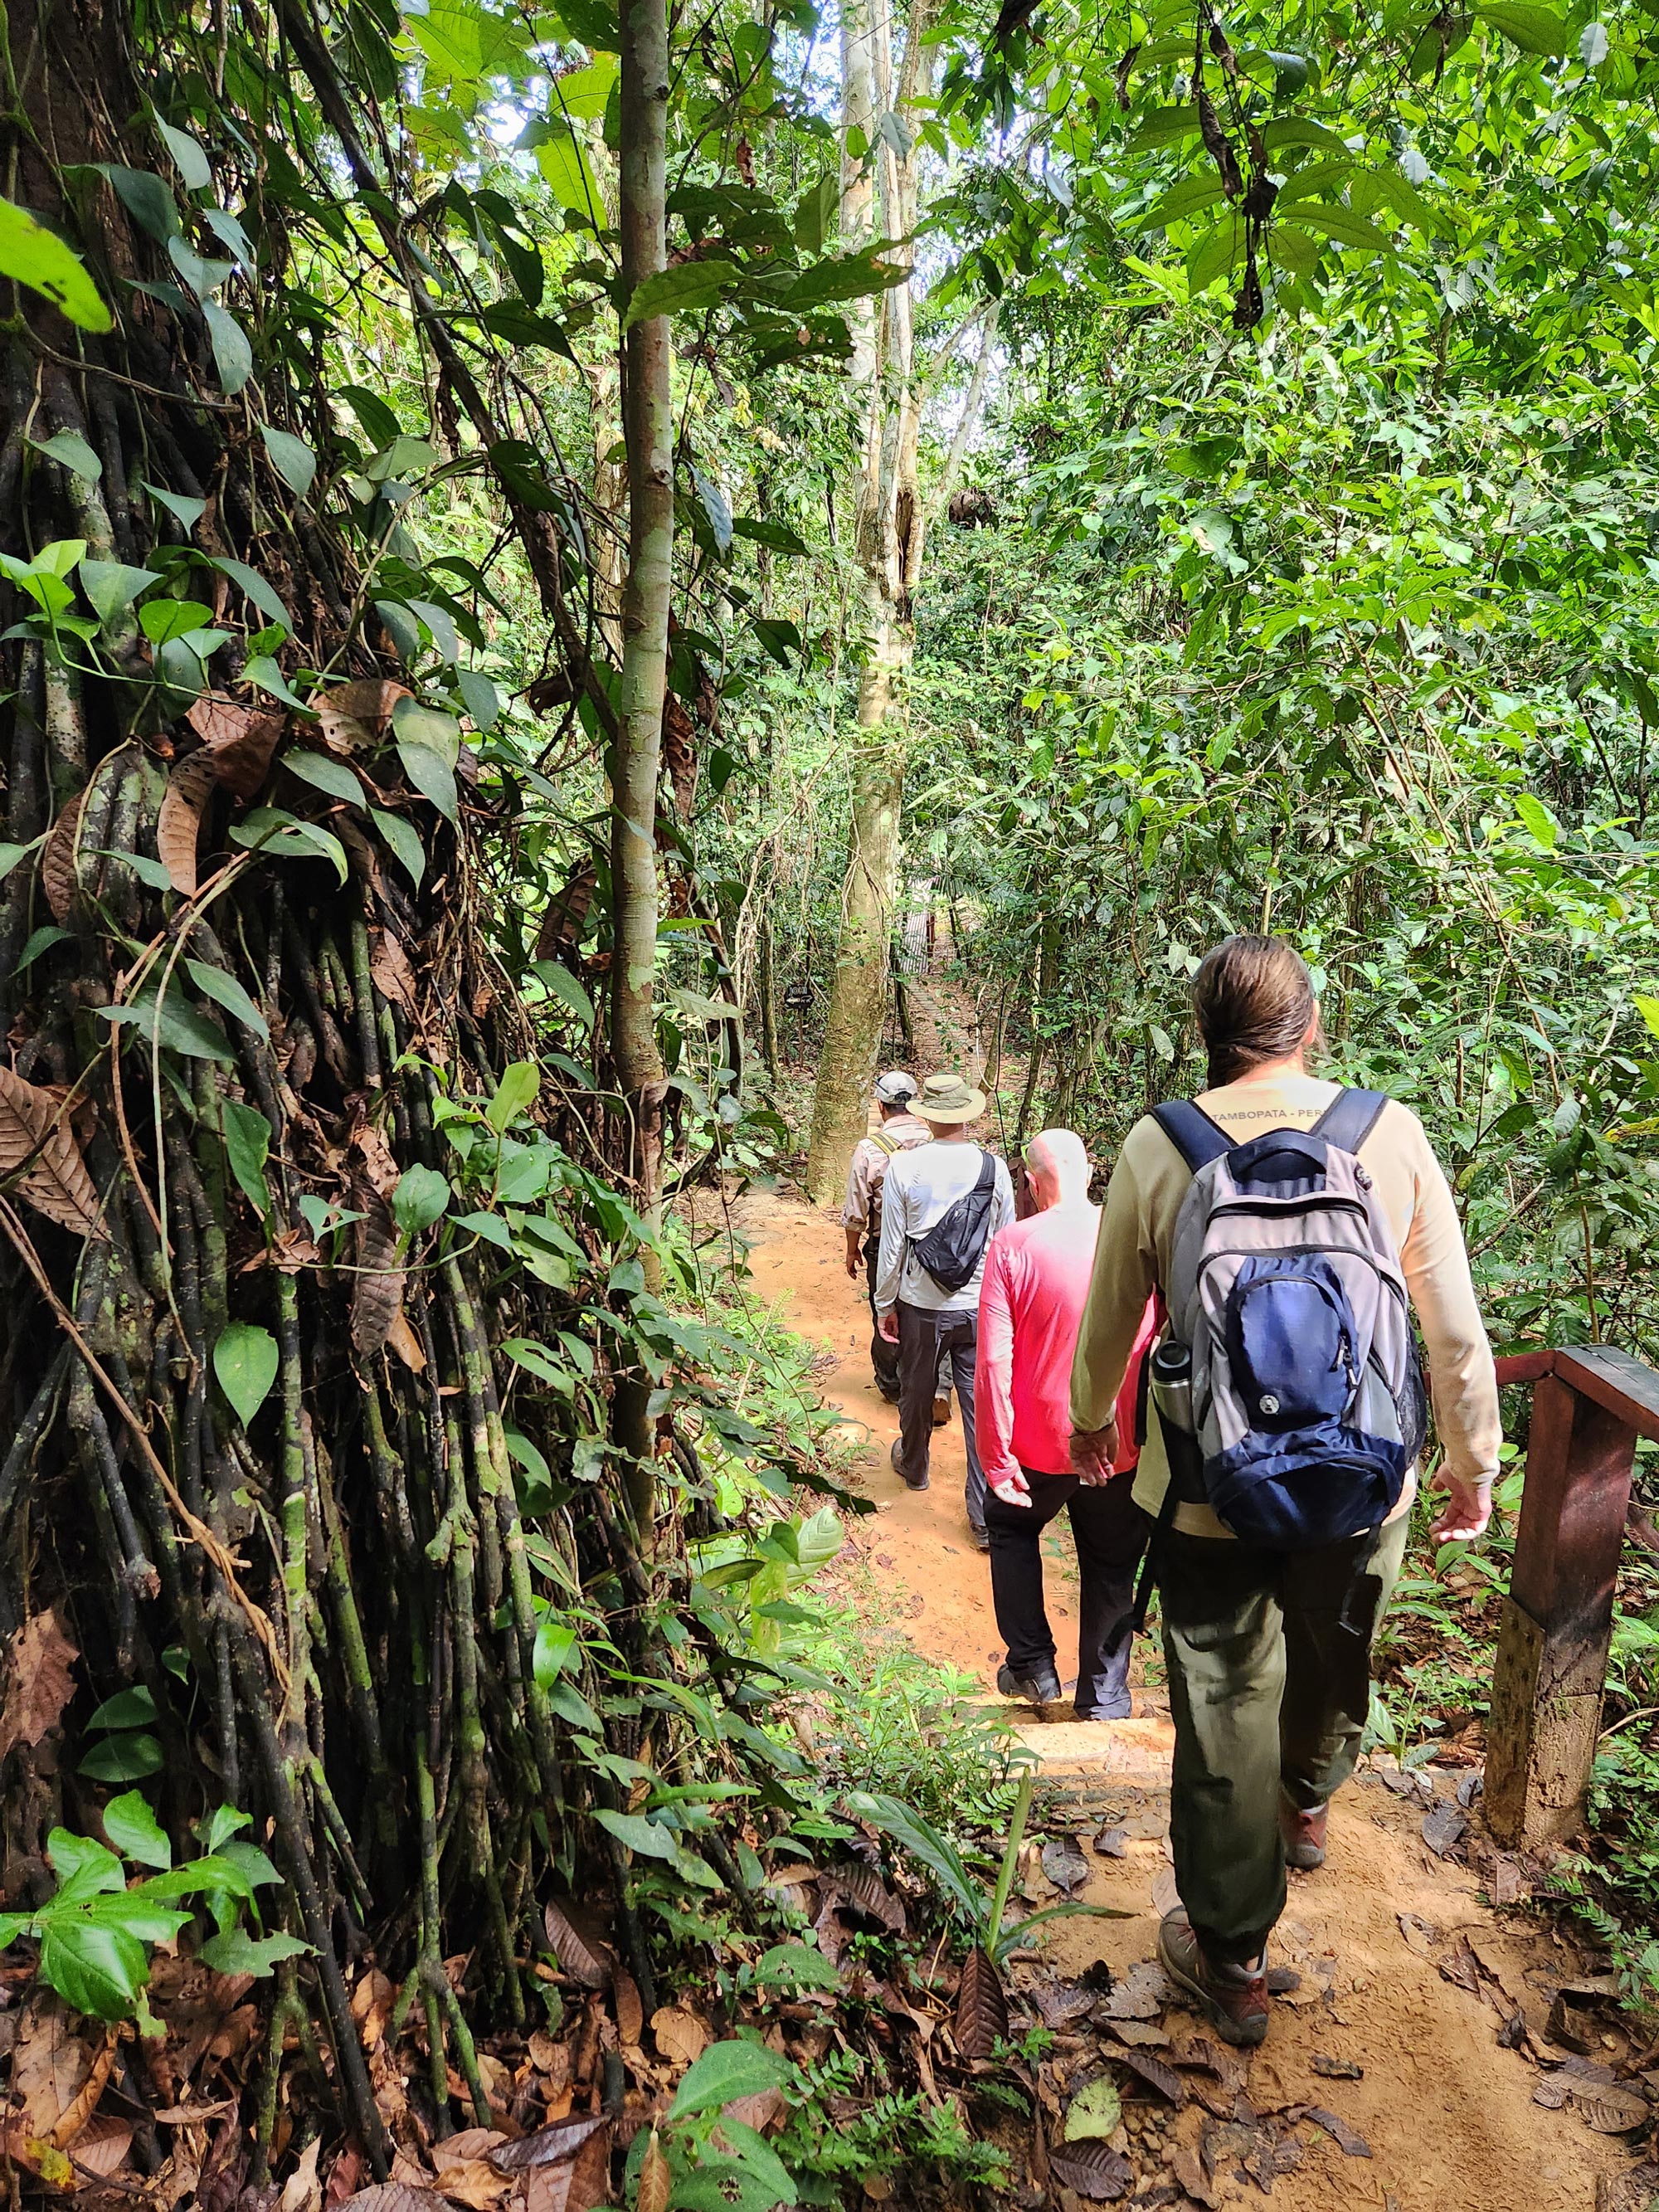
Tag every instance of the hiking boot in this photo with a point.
(981, 1538)
(910, 1482)
(1303, 1834)
(941, 1410)
(1035, 1689)
(1233, 1999)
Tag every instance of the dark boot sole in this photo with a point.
(1306, 1858)
(1243, 2035)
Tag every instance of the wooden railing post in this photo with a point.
(1557, 1619)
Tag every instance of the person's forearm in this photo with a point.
(855, 1241)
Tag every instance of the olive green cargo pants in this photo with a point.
(1269, 1659)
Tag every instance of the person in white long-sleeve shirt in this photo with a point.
(920, 1315)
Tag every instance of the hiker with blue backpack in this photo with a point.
(1288, 1225)
(941, 1204)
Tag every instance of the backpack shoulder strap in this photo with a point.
(1350, 1118)
(884, 1144)
(1190, 1130)
(988, 1171)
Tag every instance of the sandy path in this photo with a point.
(1447, 2114)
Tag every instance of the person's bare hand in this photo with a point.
(1013, 1489)
(887, 1327)
(1465, 1512)
(1093, 1451)
(852, 1265)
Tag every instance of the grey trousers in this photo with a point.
(927, 1342)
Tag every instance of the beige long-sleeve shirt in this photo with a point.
(1137, 1233)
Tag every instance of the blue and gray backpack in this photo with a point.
(1285, 1285)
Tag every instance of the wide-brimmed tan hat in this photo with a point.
(948, 1098)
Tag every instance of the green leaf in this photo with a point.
(554, 1642)
(515, 1094)
(191, 163)
(273, 829)
(291, 457)
(484, 701)
(923, 1841)
(185, 510)
(405, 842)
(71, 450)
(262, 670)
(224, 1821)
(174, 1025)
(1095, 2113)
(39, 940)
(252, 1860)
(563, 160)
(248, 1142)
(133, 1708)
(123, 1758)
(327, 775)
(431, 775)
(236, 1952)
(94, 1970)
(562, 985)
(713, 502)
(134, 1830)
(254, 589)
(815, 213)
(726, 2072)
(421, 1198)
(1215, 255)
(133, 1914)
(1339, 223)
(162, 619)
(795, 1966)
(245, 1359)
(30, 254)
(1535, 30)
(228, 992)
(11, 854)
(1541, 825)
(84, 1866)
(110, 585)
(845, 276)
(776, 535)
(146, 199)
(233, 353)
(682, 290)
(1649, 1010)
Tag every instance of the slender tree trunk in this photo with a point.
(888, 532)
(648, 428)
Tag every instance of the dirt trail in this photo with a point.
(1447, 2114)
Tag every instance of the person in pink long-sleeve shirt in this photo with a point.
(1036, 1277)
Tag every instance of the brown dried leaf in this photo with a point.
(394, 977)
(1187, 2169)
(377, 1294)
(1444, 1827)
(981, 2018)
(1336, 2070)
(1142, 2035)
(40, 1682)
(473, 2182)
(576, 2184)
(34, 1128)
(1156, 2075)
(655, 2178)
(631, 2013)
(178, 828)
(679, 754)
(553, 2146)
(867, 1894)
(49, 2064)
(1139, 1994)
(1420, 1935)
(466, 2146)
(681, 2038)
(566, 914)
(577, 1942)
(395, 2197)
(58, 860)
(1064, 1863)
(1611, 2112)
(759, 2111)
(1350, 2144)
(401, 1338)
(74, 2116)
(1095, 2170)
(357, 717)
(102, 2145)
(239, 740)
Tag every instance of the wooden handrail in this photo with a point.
(1590, 1403)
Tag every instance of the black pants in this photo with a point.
(929, 1344)
(884, 1356)
(1111, 1531)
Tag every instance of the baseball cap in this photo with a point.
(894, 1087)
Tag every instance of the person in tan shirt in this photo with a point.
(1268, 1652)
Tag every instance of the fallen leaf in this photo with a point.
(401, 1338)
(466, 2146)
(656, 2178)
(58, 860)
(574, 1939)
(474, 2183)
(631, 2013)
(680, 2036)
(1096, 2111)
(49, 2064)
(357, 717)
(1552, 2093)
(76, 2115)
(546, 2146)
(1420, 1935)
(302, 2191)
(1140, 1994)
(982, 2015)
(1156, 2075)
(1336, 2070)
(395, 2197)
(393, 976)
(1140, 2034)
(37, 1147)
(237, 740)
(868, 1894)
(761, 2109)
(1112, 1844)
(1094, 2170)
(1185, 2166)
(1444, 1827)
(1610, 2112)
(1064, 1863)
(39, 1681)
(576, 2184)
(178, 827)
(1350, 2144)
